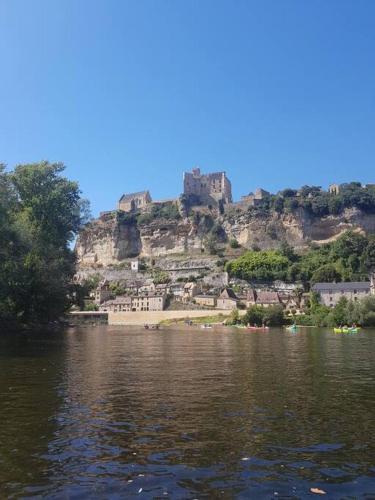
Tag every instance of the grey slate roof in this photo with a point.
(130, 196)
(342, 287)
(268, 298)
(228, 293)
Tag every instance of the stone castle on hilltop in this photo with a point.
(210, 189)
(205, 189)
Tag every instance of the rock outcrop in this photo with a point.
(117, 236)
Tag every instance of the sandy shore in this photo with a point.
(155, 317)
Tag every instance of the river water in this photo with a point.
(109, 412)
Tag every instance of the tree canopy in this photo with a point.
(350, 258)
(40, 213)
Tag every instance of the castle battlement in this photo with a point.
(210, 188)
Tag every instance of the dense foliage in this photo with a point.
(351, 257)
(346, 312)
(165, 210)
(40, 213)
(259, 315)
(265, 265)
(320, 203)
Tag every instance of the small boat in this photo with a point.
(346, 330)
(258, 328)
(206, 325)
(292, 328)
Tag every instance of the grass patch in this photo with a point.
(215, 318)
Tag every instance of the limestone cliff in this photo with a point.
(116, 236)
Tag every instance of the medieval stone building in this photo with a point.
(134, 201)
(334, 188)
(210, 189)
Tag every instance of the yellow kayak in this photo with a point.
(345, 330)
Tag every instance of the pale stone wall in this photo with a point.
(226, 304)
(205, 301)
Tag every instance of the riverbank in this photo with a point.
(157, 317)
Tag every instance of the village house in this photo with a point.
(133, 286)
(267, 299)
(251, 298)
(102, 293)
(119, 304)
(190, 290)
(331, 293)
(177, 290)
(263, 298)
(205, 300)
(134, 201)
(162, 289)
(227, 299)
(148, 303)
(254, 199)
(291, 303)
(209, 189)
(147, 287)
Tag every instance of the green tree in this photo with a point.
(264, 265)
(41, 213)
(368, 258)
(254, 316)
(326, 274)
(274, 315)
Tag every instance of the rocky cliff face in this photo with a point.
(107, 241)
(110, 239)
(298, 229)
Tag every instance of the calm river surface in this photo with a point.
(109, 412)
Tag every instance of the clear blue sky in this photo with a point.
(129, 94)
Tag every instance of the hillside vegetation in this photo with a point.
(320, 203)
(351, 257)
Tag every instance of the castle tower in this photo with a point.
(210, 189)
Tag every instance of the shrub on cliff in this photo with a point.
(160, 211)
(233, 243)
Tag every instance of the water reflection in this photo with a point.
(192, 414)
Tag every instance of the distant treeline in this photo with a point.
(320, 203)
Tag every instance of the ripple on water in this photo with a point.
(110, 413)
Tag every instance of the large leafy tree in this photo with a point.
(264, 265)
(40, 213)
